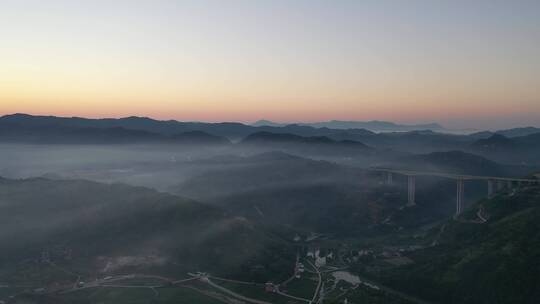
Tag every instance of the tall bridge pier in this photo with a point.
(500, 185)
(459, 195)
(411, 182)
(494, 183)
(389, 179)
(490, 188)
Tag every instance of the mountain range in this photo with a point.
(233, 130)
(522, 143)
(116, 228)
(374, 125)
(79, 202)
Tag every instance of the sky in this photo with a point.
(465, 64)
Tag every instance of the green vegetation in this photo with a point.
(124, 296)
(368, 295)
(55, 231)
(64, 241)
(495, 262)
(303, 287)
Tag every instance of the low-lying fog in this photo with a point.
(157, 166)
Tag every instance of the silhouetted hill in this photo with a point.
(267, 137)
(375, 125)
(103, 225)
(66, 134)
(422, 141)
(516, 132)
(280, 189)
(494, 143)
(457, 162)
(261, 171)
(313, 146)
(310, 141)
(167, 128)
(417, 141)
(531, 141)
(480, 135)
(75, 135)
(268, 123)
(523, 150)
(273, 138)
(231, 130)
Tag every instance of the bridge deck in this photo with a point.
(453, 176)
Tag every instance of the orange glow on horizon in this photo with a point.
(351, 60)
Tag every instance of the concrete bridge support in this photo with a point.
(459, 196)
(491, 188)
(411, 181)
(494, 183)
(389, 179)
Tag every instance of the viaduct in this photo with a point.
(494, 183)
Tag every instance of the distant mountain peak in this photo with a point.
(269, 137)
(371, 125)
(375, 125)
(267, 123)
(494, 142)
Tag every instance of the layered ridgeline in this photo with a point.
(231, 130)
(282, 189)
(519, 150)
(301, 145)
(458, 162)
(523, 146)
(374, 125)
(59, 134)
(480, 262)
(96, 230)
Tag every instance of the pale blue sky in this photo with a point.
(463, 63)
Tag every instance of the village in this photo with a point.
(322, 272)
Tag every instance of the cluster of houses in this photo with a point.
(320, 259)
(270, 287)
(299, 269)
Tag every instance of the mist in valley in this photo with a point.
(199, 207)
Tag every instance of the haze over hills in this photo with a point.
(363, 145)
(494, 262)
(94, 135)
(142, 201)
(231, 130)
(110, 229)
(22, 127)
(398, 161)
(374, 125)
(235, 130)
(455, 161)
(514, 132)
(244, 228)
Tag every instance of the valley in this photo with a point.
(269, 152)
(268, 219)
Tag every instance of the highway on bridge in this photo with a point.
(494, 183)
